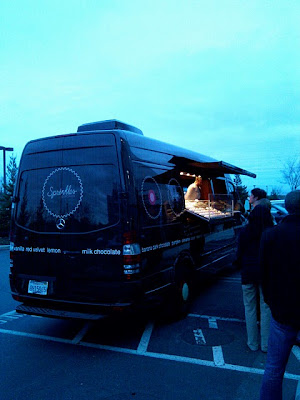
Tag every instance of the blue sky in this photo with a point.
(218, 77)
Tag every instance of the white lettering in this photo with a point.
(145, 249)
(68, 191)
(87, 251)
(162, 245)
(19, 248)
(105, 252)
(39, 249)
(55, 251)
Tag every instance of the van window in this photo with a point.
(84, 196)
(219, 186)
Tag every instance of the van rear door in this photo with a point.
(67, 230)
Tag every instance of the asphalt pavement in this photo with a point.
(203, 356)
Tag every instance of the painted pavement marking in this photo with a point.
(80, 335)
(145, 339)
(212, 323)
(218, 361)
(199, 337)
(296, 352)
(10, 316)
(218, 356)
(216, 318)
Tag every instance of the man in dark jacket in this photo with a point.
(248, 261)
(280, 263)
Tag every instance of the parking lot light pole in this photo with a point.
(4, 149)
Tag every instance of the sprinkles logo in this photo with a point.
(151, 197)
(62, 192)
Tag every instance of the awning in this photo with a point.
(222, 166)
(213, 167)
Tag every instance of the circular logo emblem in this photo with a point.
(60, 223)
(62, 193)
(151, 197)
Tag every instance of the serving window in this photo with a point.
(217, 206)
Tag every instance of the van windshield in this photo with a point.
(68, 199)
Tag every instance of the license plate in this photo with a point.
(37, 287)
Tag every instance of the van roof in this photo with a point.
(108, 125)
(135, 137)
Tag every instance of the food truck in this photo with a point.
(100, 223)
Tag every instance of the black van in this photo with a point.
(100, 223)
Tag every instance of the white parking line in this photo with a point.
(218, 361)
(212, 323)
(145, 339)
(11, 315)
(80, 335)
(188, 360)
(218, 356)
(297, 397)
(296, 352)
(35, 336)
(162, 356)
(209, 317)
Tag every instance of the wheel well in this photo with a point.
(184, 262)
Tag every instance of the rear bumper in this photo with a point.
(86, 311)
(87, 292)
(52, 313)
(87, 299)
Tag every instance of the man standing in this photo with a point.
(256, 196)
(279, 260)
(194, 190)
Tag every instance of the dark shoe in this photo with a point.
(264, 349)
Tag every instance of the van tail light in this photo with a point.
(11, 257)
(131, 255)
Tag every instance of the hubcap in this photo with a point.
(185, 291)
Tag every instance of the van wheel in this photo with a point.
(179, 300)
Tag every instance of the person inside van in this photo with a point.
(194, 190)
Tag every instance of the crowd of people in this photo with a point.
(268, 257)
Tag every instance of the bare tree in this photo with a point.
(291, 172)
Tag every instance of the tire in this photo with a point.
(179, 300)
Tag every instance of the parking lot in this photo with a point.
(203, 356)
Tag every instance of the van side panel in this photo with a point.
(166, 233)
